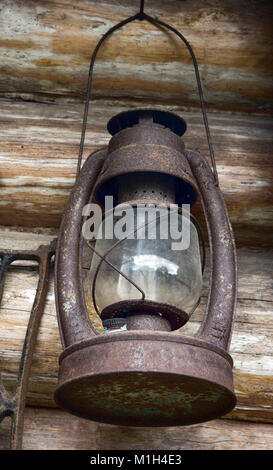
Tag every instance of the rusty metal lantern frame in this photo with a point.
(142, 377)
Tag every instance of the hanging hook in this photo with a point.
(141, 11)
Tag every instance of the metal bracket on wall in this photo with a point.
(13, 404)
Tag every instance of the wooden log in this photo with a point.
(48, 429)
(251, 346)
(46, 50)
(38, 153)
(213, 435)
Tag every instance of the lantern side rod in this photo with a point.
(219, 316)
(72, 314)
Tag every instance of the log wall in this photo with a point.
(39, 147)
(46, 48)
(47, 429)
(45, 51)
(251, 346)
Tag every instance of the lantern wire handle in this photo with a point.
(199, 85)
(90, 79)
(142, 16)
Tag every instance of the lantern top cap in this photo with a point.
(147, 116)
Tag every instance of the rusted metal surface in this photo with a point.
(74, 324)
(151, 148)
(144, 116)
(13, 404)
(175, 316)
(145, 379)
(147, 322)
(218, 320)
(146, 188)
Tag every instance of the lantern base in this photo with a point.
(145, 379)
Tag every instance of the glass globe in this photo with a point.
(167, 269)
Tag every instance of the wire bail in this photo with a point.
(143, 16)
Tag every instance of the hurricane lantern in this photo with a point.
(141, 371)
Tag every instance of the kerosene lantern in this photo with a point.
(141, 371)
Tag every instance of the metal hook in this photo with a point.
(141, 10)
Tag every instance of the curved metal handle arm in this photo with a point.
(73, 320)
(142, 16)
(217, 324)
(90, 80)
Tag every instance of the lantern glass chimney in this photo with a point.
(149, 253)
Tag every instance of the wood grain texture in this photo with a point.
(39, 147)
(251, 346)
(46, 48)
(48, 429)
(213, 435)
(45, 52)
